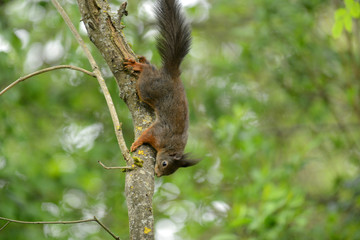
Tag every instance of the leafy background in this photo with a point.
(274, 93)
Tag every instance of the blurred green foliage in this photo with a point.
(343, 17)
(275, 115)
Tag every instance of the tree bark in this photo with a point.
(104, 30)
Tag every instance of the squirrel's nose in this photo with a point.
(158, 174)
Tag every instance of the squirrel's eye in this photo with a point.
(164, 163)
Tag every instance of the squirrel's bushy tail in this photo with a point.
(174, 40)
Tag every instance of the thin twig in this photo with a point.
(109, 101)
(46, 70)
(60, 222)
(106, 228)
(7, 223)
(47, 222)
(110, 168)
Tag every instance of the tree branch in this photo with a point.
(123, 168)
(110, 104)
(43, 71)
(3, 227)
(105, 31)
(106, 228)
(59, 222)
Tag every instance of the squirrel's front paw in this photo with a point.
(132, 64)
(128, 61)
(134, 146)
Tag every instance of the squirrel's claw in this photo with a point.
(132, 64)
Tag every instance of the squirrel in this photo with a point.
(163, 90)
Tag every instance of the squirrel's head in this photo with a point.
(167, 163)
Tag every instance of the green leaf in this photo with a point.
(340, 14)
(355, 10)
(337, 29)
(348, 23)
(349, 4)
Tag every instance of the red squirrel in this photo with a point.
(163, 90)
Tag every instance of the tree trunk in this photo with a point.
(104, 31)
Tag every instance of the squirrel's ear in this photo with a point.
(176, 156)
(187, 162)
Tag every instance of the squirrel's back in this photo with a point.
(174, 40)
